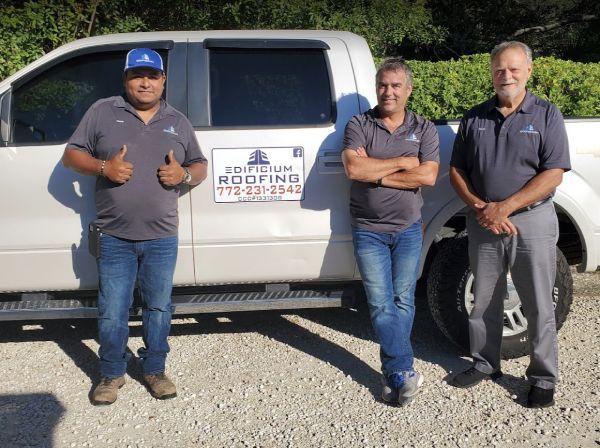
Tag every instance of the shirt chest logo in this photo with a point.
(170, 130)
(412, 138)
(529, 129)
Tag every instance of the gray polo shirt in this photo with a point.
(500, 155)
(142, 208)
(383, 209)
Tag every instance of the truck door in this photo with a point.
(270, 120)
(45, 207)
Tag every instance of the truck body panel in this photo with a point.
(287, 231)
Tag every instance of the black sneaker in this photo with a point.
(540, 398)
(472, 376)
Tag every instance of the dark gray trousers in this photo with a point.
(531, 258)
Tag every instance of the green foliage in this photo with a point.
(388, 25)
(62, 94)
(567, 29)
(447, 89)
(30, 29)
(573, 86)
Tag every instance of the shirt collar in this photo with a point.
(374, 116)
(164, 108)
(525, 106)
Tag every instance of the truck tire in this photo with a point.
(450, 296)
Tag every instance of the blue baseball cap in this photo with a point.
(143, 57)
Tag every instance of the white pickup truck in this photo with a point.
(269, 228)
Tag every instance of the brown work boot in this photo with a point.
(160, 386)
(105, 392)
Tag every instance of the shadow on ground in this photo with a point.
(29, 420)
(428, 342)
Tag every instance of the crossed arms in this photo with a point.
(403, 173)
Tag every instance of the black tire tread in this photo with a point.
(446, 274)
(447, 277)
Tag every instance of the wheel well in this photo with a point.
(569, 240)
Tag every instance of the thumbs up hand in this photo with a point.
(118, 169)
(171, 173)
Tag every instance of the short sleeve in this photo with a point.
(84, 138)
(459, 155)
(354, 135)
(555, 147)
(193, 153)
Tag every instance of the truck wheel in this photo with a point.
(450, 295)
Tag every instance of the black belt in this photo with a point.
(530, 207)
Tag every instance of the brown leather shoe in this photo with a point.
(105, 392)
(160, 386)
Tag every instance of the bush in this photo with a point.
(447, 89)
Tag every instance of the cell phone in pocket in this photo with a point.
(94, 240)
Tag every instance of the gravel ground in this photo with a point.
(305, 379)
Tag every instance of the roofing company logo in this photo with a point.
(170, 130)
(412, 138)
(258, 174)
(258, 157)
(529, 129)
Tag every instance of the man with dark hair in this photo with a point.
(141, 151)
(509, 156)
(389, 154)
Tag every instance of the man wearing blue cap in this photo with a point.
(141, 151)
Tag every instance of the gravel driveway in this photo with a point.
(305, 379)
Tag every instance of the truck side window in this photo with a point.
(269, 87)
(48, 108)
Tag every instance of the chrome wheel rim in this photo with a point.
(514, 320)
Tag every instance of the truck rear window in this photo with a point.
(269, 87)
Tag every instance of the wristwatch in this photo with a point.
(187, 176)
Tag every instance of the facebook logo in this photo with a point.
(297, 152)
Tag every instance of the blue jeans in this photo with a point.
(388, 264)
(123, 265)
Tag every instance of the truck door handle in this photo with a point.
(330, 162)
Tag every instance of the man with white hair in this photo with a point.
(509, 156)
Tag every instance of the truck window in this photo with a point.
(269, 87)
(48, 108)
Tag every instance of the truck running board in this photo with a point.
(43, 307)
